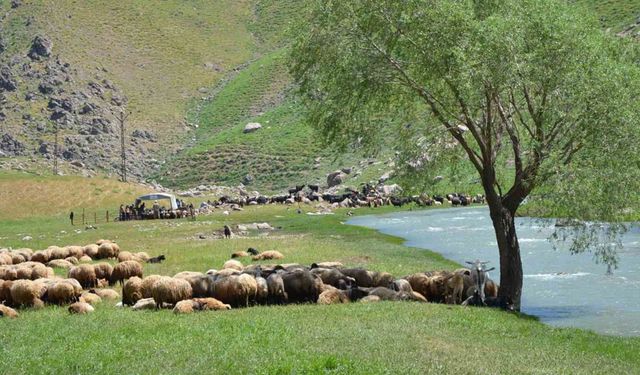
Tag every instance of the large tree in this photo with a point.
(534, 81)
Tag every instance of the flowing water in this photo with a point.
(560, 288)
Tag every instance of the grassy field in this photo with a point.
(355, 338)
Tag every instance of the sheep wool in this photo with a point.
(132, 291)
(81, 308)
(125, 270)
(7, 312)
(85, 274)
(170, 290)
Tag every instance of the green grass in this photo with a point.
(355, 338)
(615, 14)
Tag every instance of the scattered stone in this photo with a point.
(252, 127)
(15, 3)
(385, 177)
(11, 146)
(247, 179)
(7, 81)
(27, 238)
(336, 178)
(40, 47)
(347, 170)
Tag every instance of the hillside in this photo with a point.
(192, 74)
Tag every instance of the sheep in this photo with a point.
(109, 294)
(170, 290)
(185, 307)
(62, 292)
(40, 256)
(58, 252)
(147, 285)
(125, 270)
(17, 258)
(144, 304)
(271, 254)
(8, 273)
(73, 260)
(124, 256)
(363, 277)
(187, 274)
(28, 293)
(240, 254)
(91, 251)
(387, 294)
(262, 293)
(85, 259)
(40, 271)
(211, 304)
(327, 265)
(454, 288)
(301, 286)
(8, 312)
(334, 277)
(60, 263)
(80, 308)
(75, 251)
(275, 284)
(90, 298)
(107, 250)
(332, 296)
(370, 298)
(101, 241)
(200, 285)
(236, 290)
(85, 274)
(103, 271)
(5, 259)
(132, 291)
(5, 292)
(491, 288)
(401, 285)
(233, 264)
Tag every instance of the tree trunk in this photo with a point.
(509, 248)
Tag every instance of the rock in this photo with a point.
(27, 238)
(7, 81)
(29, 96)
(15, 3)
(251, 127)
(385, 177)
(40, 47)
(335, 178)
(346, 170)
(247, 180)
(46, 88)
(264, 226)
(10, 145)
(389, 190)
(77, 163)
(3, 45)
(438, 178)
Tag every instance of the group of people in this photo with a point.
(139, 211)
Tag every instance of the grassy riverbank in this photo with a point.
(356, 338)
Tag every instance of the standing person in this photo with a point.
(71, 217)
(156, 210)
(121, 212)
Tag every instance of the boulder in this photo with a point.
(251, 127)
(40, 47)
(336, 178)
(7, 81)
(10, 145)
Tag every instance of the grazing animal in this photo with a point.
(125, 270)
(267, 255)
(275, 285)
(103, 271)
(253, 251)
(85, 274)
(185, 307)
(6, 311)
(144, 304)
(170, 290)
(301, 286)
(236, 290)
(147, 284)
(211, 304)
(63, 292)
(132, 291)
(227, 232)
(240, 254)
(81, 308)
(454, 288)
(333, 296)
(233, 264)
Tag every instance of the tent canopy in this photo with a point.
(159, 196)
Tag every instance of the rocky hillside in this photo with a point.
(191, 75)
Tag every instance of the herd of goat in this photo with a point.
(27, 280)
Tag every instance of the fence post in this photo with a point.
(95, 218)
(107, 216)
(83, 222)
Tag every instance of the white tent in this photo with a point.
(160, 196)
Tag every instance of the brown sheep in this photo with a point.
(81, 308)
(125, 270)
(363, 277)
(144, 304)
(60, 263)
(85, 259)
(333, 296)
(8, 273)
(123, 256)
(170, 290)
(382, 279)
(73, 260)
(61, 293)
(40, 256)
(103, 271)
(5, 259)
(200, 285)
(40, 271)
(277, 294)
(28, 293)
(240, 254)
(401, 285)
(334, 277)
(5, 292)
(454, 289)
(187, 274)
(370, 298)
(271, 254)
(91, 251)
(211, 304)
(132, 291)
(58, 252)
(491, 289)
(147, 285)
(75, 251)
(185, 307)
(233, 264)
(85, 274)
(17, 258)
(90, 298)
(109, 294)
(236, 290)
(107, 251)
(420, 283)
(262, 294)
(327, 265)
(301, 286)
(8, 312)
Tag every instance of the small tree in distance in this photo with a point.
(534, 81)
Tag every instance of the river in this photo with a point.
(561, 289)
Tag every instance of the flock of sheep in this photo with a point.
(27, 280)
